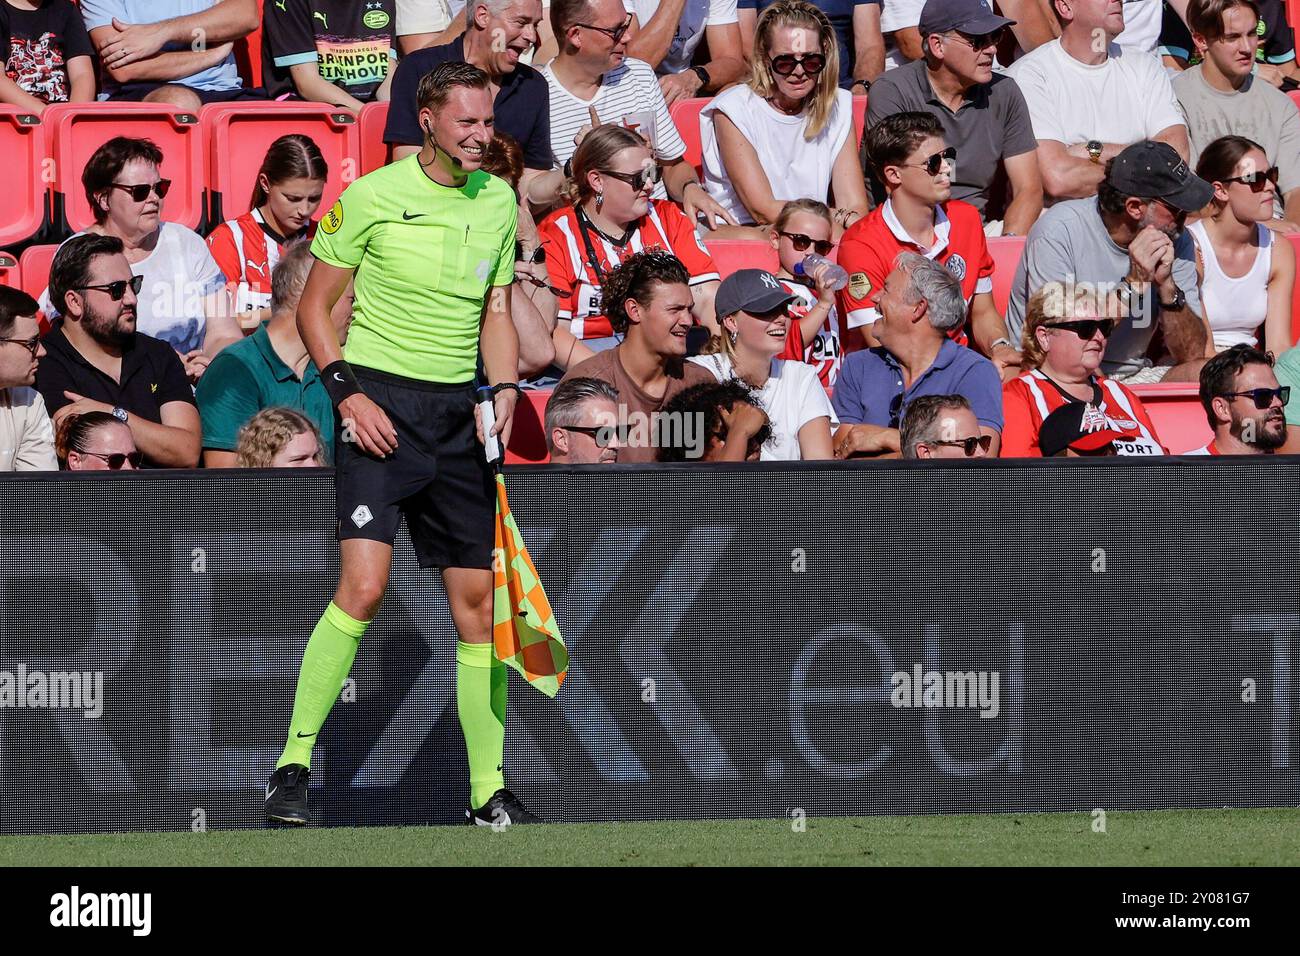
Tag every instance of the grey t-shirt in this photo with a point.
(1258, 111)
(991, 124)
(1070, 241)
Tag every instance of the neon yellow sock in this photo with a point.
(325, 665)
(481, 705)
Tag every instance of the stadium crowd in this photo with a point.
(1146, 151)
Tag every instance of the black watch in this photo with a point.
(1179, 303)
(865, 84)
(703, 74)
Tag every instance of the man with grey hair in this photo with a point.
(918, 304)
(942, 426)
(581, 423)
(269, 368)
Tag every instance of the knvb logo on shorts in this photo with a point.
(76, 909)
(946, 689)
(57, 690)
(361, 516)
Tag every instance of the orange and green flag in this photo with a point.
(524, 632)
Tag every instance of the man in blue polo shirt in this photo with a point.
(919, 303)
(269, 368)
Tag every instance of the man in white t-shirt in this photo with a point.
(665, 33)
(422, 23)
(1089, 100)
(899, 21)
(593, 80)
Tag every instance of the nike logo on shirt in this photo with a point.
(408, 216)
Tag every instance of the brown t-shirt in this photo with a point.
(607, 367)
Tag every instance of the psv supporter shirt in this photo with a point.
(870, 246)
(426, 258)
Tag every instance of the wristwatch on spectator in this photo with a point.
(865, 84)
(703, 74)
(1179, 303)
(1094, 148)
(120, 414)
(1002, 341)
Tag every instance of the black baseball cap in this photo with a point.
(750, 290)
(1154, 170)
(968, 16)
(1078, 425)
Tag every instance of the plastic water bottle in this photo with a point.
(837, 274)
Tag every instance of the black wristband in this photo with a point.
(339, 381)
(703, 74)
(502, 386)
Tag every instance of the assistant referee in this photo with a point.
(431, 241)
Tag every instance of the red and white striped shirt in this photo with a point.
(823, 352)
(664, 226)
(247, 250)
(1030, 398)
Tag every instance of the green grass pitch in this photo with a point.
(1148, 838)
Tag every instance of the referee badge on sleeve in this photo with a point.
(333, 220)
(859, 285)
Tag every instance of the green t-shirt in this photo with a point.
(426, 258)
(1287, 370)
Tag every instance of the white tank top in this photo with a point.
(1235, 307)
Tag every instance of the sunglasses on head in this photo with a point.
(1085, 328)
(784, 65)
(602, 435)
(801, 242)
(968, 445)
(116, 460)
(117, 289)
(934, 163)
(1256, 180)
(140, 191)
(979, 41)
(638, 179)
(1262, 397)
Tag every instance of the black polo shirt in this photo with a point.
(152, 376)
(523, 104)
(991, 125)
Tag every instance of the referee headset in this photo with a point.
(455, 161)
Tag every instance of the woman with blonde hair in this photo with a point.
(1064, 339)
(788, 133)
(279, 438)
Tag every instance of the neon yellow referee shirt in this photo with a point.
(426, 258)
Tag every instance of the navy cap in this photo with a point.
(750, 290)
(1154, 170)
(968, 16)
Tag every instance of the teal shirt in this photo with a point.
(247, 377)
(1287, 370)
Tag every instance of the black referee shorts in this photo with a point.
(437, 477)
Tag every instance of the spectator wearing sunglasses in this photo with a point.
(593, 81)
(96, 441)
(279, 438)
(1064, 341)
(610, 215)
(1246, 270)
(754, 315)
(804, 228)
(788, 132)
(99, 361)
(666, 33)
(1129, 241)
(1089, 100)
(942, 426)
(920, 302)
(581, 423)
(1221, 96)
(26, 436)
(860, 43)
(182, 296)
(908, 153)
(1243, 403)
(983, 114)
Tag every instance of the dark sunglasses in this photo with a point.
(968, 445)
(117, 459)
(615, 34)
(1262, 397)
(638, 179)
(933, 164)
(541, 284)
(140, 191)
(30, 345)
(117, 289)
(1085, 328)
(784, 65)
(801, 242)
(600, 434)
(979, 41)
(1256, 180)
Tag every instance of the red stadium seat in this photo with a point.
(74, 131)
(686, 117)
(35, 265)
(10, 272)
(1175, 409)
(248, 54)
(1295, 289)
(1006, 252)
(23, 205)
(239, 135)
(732, 254)
(374, 151)
(527, 434)
(859, 116)
(1295, 94)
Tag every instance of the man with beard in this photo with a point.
(97, 361)
(1128, 242)
(1244, 403)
